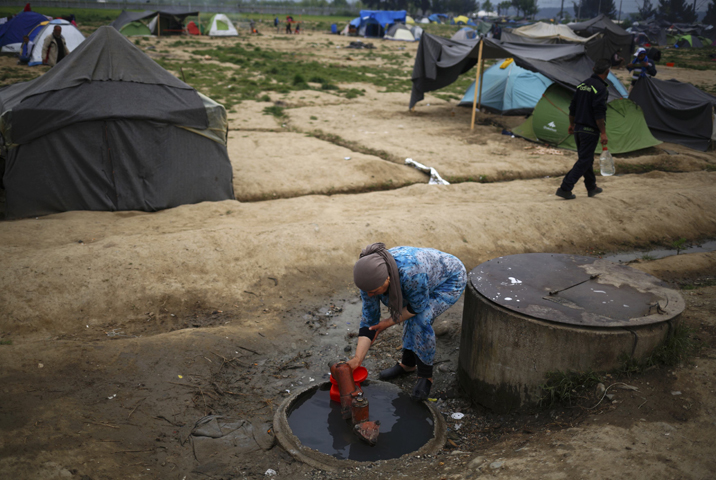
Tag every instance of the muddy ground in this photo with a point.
(120, 330)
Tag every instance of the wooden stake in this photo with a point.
(482, 75)
(477, 79)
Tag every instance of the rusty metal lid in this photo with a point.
(576, 290)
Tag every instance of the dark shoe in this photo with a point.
(394, 372)
(594, 192)
(421, 389)
(565, 194)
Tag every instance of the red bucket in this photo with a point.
(359, 376)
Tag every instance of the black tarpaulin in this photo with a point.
(108, 129)
(440, 61)
(676, 112)
(614, 37)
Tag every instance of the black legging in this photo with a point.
(411, 360)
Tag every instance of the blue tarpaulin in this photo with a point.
(384, 18)
(438, 17)
(19, 26)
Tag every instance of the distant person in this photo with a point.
(587, 121)
(54, 49)
(288, 27)
(617, 59)
(298, 29)
(496, 31)
(275, 24)
(25, 50)
(641, 66)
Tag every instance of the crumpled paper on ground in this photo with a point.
(215, 438)
(435, 178)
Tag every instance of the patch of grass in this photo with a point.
(711, 168)
(678, 346)
(265, 98)
(354, 93)
(647, 258)
(567, 387)
(314, 118)
(329, 86)
(678, 244)
(274, 110)
(6, 341)
(298, 79)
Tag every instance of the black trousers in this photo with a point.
(411, 360)
(584, 167)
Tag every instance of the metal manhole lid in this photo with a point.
(576, 290)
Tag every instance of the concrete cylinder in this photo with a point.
(505, 355)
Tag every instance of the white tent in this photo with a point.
(221, 26)
(544, 31)
(73, 38)
(424, 20)
(417, 32)
(398, 31)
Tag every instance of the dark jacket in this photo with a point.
(589, 104)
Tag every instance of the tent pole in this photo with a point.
(477, 79)
(482, 75)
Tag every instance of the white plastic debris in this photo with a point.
(270, 472)
(435, 178)
(112, 396)
(457, 416)
(347, 158)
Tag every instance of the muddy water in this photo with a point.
(405, 426)
(709, 246)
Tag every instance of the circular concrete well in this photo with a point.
(310, 427)
(530, 314)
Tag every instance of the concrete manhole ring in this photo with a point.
(316, 459)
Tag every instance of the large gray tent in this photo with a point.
(615, 37)
(677, 112)
(109, 129)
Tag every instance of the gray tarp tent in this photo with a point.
(615, 37)
(440, 61)
(129, 17)
(109, 129)
(676, 112)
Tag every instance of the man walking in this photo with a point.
(587, 121)
(54, 49)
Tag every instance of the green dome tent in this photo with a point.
(135, 29)
(626, 127)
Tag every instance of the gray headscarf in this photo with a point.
(370, 271)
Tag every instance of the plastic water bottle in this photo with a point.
(606, 163)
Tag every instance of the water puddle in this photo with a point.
(709, 246)
(405, 425)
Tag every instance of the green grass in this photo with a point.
(275, 110)
(693, 58)
(5, 341)
(567, 387)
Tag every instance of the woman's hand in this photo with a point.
(382, 325)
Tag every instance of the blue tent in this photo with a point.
(438, 17)
(512, 90)
(373, 23)
(12, 32)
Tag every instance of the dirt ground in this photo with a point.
(120, 330)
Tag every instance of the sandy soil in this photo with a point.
(128, 327)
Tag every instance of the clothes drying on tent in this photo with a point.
(465, 33)
(12, 32)
(73, 38)
(511, 90)
(398, 31)
(677, 112)
(109, 129)
(626, 127)
(221, 26)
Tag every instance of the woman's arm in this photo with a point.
(364, 343)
